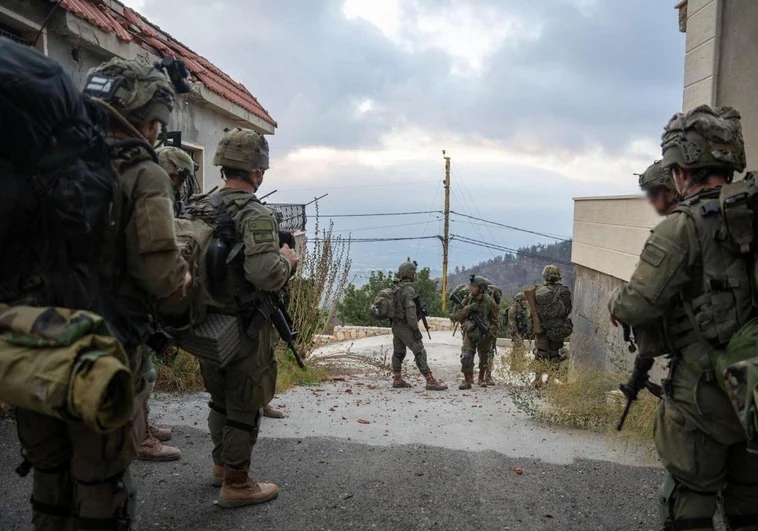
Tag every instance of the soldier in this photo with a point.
(405, 330)
(478, 303)
(518, 323)
(698, 285)
(180, 168)
(658, 185)
(81, 478)
(554, 310)
(241, 389)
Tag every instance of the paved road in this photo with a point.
(425, 461)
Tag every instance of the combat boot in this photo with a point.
(398, 382)
(217, 476)
(152, 449)
(481, 381)
(162, 434)
(239, 490)
(272, 413)
(432, 384)
(468, 378)
(488, 378)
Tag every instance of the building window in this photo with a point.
(14, 35)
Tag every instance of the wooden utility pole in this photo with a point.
(446, 237)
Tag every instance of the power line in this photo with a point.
(551, 236)
(387, 227)
(488, 245)
(365, 240)
(385, 184)
(382, 214)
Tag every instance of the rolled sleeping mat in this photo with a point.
(65, 364)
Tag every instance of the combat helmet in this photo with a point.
(520, 296)
(407, 269)
(135, 89)
(480, 281)
(175, 160)
(656, 176)
(704, 138)
(242, 149)
(551, 273)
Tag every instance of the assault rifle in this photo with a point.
(639, 380)
(476, 319)
(267, 304)
(421, 313)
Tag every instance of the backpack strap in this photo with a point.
(739, 217)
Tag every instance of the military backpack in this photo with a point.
(383, 306)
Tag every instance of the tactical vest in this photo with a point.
(399, 307)
(719, 299)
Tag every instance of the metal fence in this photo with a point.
(293, 216)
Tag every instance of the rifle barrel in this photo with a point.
(620, 425)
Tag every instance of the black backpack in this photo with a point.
(58, 185)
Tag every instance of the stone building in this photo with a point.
(720, 56)
(81, 34)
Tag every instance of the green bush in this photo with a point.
(355, 307)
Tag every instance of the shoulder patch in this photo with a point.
(653, 254)
(260, 224)
(263, 236)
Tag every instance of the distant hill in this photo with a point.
(514, 272)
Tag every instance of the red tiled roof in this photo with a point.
(132, 27)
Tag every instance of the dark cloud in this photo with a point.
(605, 75)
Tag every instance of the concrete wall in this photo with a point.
(737, 73)
(702, 52)
(609, 233)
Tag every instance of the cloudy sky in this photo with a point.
(535, 101)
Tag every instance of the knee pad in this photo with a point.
(110, 504)
(467, 359)
(53, 497)
(668, 493)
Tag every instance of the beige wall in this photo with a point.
(737, 72)
(609, 233)
(701, 52)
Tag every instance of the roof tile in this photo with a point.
(131, 24)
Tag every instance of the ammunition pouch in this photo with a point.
(736, 370)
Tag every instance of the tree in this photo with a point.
(355, 307)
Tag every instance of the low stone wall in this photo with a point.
(343, 333)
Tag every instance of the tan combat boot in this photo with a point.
(468, 378)
(398, 382)
(162, 434)
(217, 476)
(481, 381)
(432, 384)
(272, 413)
(488, 378)
(152, 449)
(239, 490)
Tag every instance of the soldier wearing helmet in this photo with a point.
(180, 167)
(553, 301)
(518, 323)
(477, 303)
(79, 473)
(263, 264)
(405, 330)
(696, 287)
(658, 185)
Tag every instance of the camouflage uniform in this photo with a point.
(474, 340)
(518, 323)
(699, 286)
(405, 330)
(81, 477)
(554, 317)
(241, 389)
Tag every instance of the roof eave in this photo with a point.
(90, 36)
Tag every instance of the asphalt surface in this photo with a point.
(333, 484)
(446, 460)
